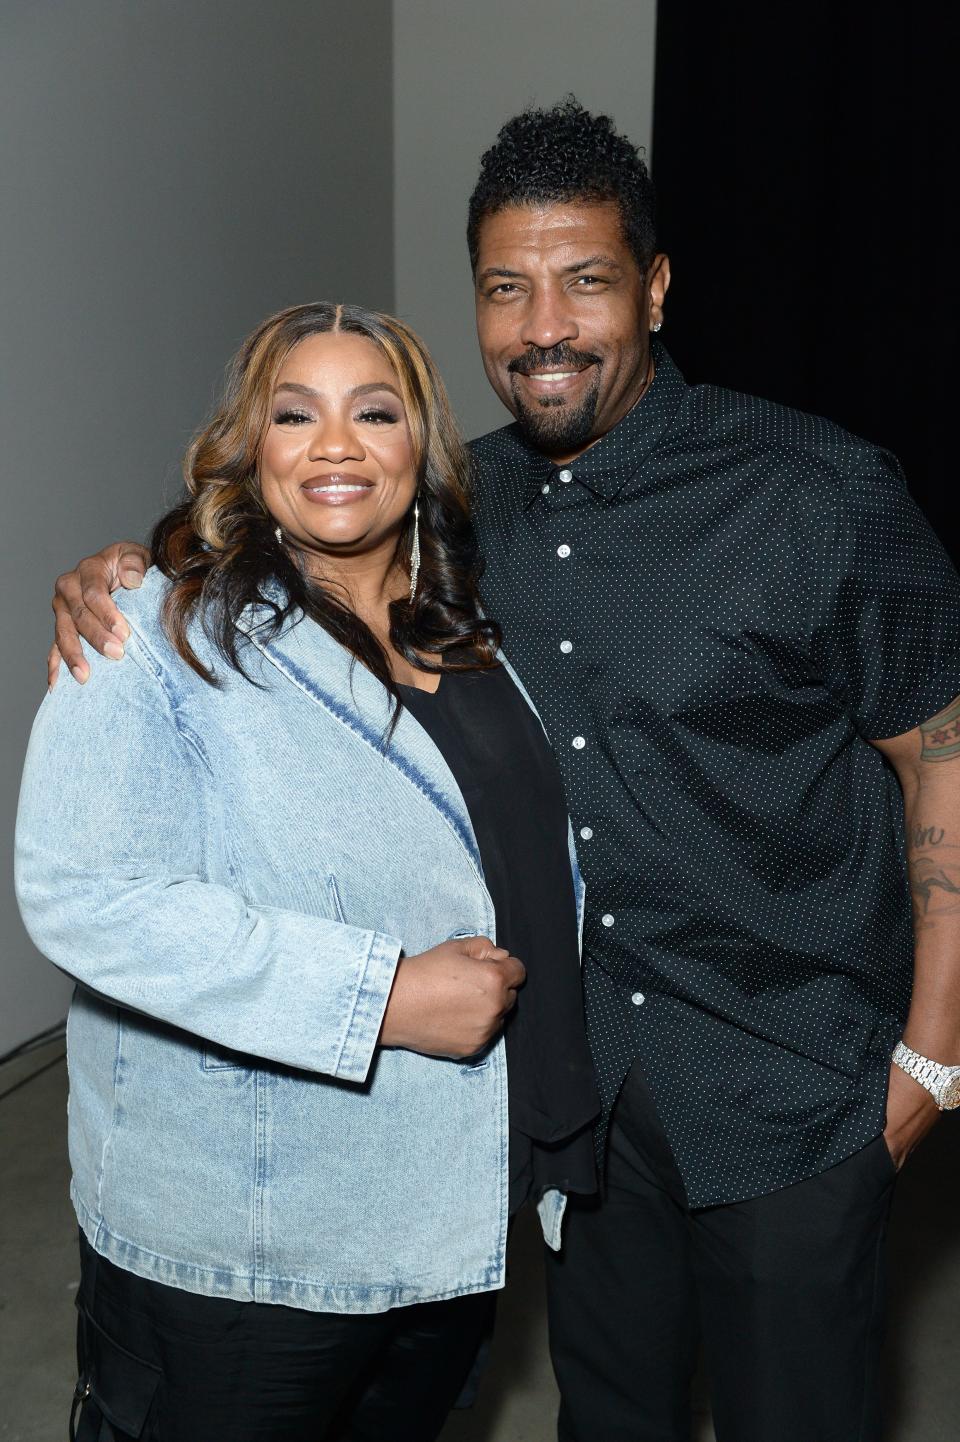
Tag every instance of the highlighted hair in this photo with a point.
(219, 548)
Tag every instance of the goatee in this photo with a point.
(552, 423)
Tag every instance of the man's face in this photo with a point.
(564, 316)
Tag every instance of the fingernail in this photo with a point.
(131, 579)
(114, 650)
(78, 673)
(121, 629)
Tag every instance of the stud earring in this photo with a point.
(657, 326)
(415, 550)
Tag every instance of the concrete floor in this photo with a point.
(518, 1399)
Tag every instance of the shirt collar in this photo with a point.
(613, 460)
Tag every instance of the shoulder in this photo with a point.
(497, 447)
(790, 449)
(143, 609)
(769, 426)
(500, 466)
(139, 681)
(149, 647)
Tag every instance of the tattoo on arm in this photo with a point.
(934, 868)
(941, 734)
(928, 880)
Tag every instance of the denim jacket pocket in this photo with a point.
(221, 1058)
(336, 905)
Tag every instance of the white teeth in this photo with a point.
(324, 490)
(554, 375)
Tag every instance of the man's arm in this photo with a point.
(927, 763)
(82, 606)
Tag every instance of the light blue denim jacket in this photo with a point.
(231, 875)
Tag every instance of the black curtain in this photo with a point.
(807, 165)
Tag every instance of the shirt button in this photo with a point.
(638, 998)
(578, 743)
(563, 552)
(607, 919)
(566, 647)
(545, 490)
(566, 477)
(586, 832)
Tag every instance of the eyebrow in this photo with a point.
(502, 273)
(590, 262)
(363, 390)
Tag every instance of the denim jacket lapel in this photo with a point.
(323, 670)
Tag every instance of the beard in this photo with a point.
(553, 424)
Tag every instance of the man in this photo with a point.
(741, 635)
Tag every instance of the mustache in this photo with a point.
(559, 357)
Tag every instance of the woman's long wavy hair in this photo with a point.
(219, 546)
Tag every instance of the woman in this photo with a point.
(274, 846)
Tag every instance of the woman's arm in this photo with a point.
(109, 880)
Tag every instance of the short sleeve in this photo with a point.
(886, 614)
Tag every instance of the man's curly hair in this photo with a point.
(565, 153)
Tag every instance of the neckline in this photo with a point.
(420, 690)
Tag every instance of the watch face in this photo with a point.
(950, 1094)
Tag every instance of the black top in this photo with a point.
(502, 762)
(714, 608)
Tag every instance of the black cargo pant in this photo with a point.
(163, 1365)
(785, 1292)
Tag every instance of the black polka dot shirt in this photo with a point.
(715, 608)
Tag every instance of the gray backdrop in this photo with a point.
(460, 70)
(171, 172)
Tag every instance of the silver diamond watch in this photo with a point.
(942, 1082)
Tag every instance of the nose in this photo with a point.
(336, 439)
(547, 320)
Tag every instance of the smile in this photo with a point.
(342, 488)
(552, 382)
(336, 488)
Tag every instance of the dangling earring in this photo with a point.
(279, 535)
(415, 549)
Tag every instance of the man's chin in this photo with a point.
(556, 428)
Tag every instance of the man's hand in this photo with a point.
(83, 607)
(911, 1112)
(452, 1000)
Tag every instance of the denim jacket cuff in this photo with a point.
(366, 1019)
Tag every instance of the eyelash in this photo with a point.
(300, 418)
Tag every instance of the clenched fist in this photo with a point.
(453, 999)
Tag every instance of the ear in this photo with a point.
(658, 283)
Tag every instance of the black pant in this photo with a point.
(164, 1365)
(785, 1291)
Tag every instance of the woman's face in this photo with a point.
(337, 466)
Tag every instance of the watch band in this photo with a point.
(933, 1075)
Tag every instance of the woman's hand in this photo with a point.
(82, 606)
(453, 999)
